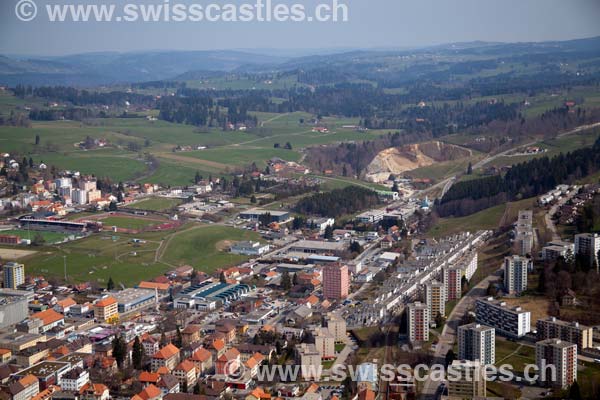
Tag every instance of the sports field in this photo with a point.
(156, 204)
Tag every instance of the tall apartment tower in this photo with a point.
(561, 354)
(477, 342)
(418, 322)
(435, 298)
(588, 244)
(515, 274)
(336, 283)
(14, 275)
(453, 283)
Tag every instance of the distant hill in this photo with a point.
(392, 66)
(108, 68)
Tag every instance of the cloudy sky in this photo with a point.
(372, 24)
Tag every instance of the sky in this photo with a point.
(372, 24)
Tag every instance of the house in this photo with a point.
(229, 362)
(258, 394)
(253, 363)
(151, 346)
(202, 359)
(167, 357)
(150, 392)
(74, 380)
(96, 391)
(25, 388)
(64, 306)
(190, 334)
(186, 373)
(106, 309)
(50, 319)
(149, 378)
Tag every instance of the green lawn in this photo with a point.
(99, 257)
(206, 247)
(128, 223)
(49, 237)
(486, 219)
(156, 204)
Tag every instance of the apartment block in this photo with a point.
(435, 298)
(418, 322)
(573, 332)
(477, 342)
(508, 321)
(563, 356)
(515, 274)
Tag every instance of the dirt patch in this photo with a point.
(223, 245)
(397, 160)
(14, 254)
(538, 306)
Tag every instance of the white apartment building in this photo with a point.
(477, 342)
(511, 322)
(515, 274)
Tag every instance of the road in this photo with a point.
(548, 216)
(487, 160)
(448, 337)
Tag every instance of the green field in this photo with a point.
(156, 204)
(128, 223)
(49, 237)
(486, 219)
(206, 247)
(99, 257)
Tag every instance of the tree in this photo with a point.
(470, 169)
(286, 282)
(112, 206)
(222, 277)
(355, 247)
(328, 232)
(137, 354)
(288, 146)
(197, 387)
(38, 240)
(439, 320)
(119, 350)
(295, 280)
(37, 140)
(574, 392)
(110, 285)
(253, 199)
(450, 357)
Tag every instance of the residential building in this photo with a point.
(13, 306)
(50, 319)
(556, 249)
(79, 196)
(14, 275)
(186, 373)
(418, 322)
(325, 343)
(309, 359)
(106, 309)
(468, 380)
(336, 325)
(453, 283)
(511, 322)
(25, 388)
(563, 356)
(435, 298)
(515, 274)
(477, 342)
(167, 357)
(229, 362)
(588, 245)
(74, 380)
(336, 282)
(573, 332)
